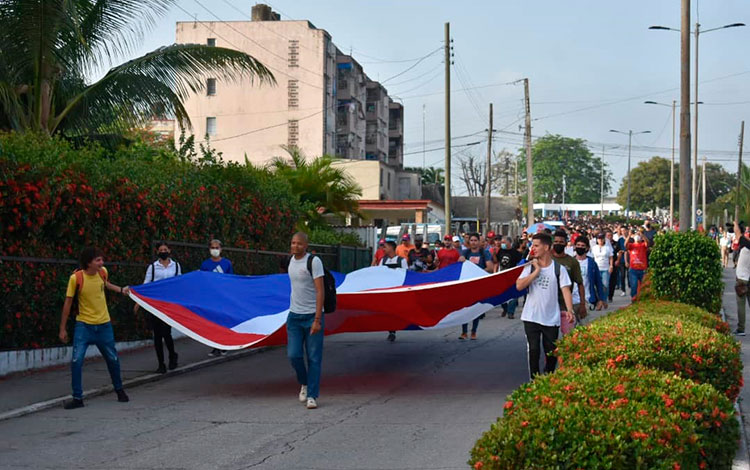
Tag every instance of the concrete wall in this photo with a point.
(245, 107)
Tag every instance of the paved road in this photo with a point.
(418, 403)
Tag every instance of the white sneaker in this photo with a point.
(622, 294)
(311, 403)
(303, 394)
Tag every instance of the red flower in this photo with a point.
(508, 405)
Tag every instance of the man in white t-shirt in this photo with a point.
(304, 324)
(541, 312)
(603, 255)
(742, 271)
(391, 260)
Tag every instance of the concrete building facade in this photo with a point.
(322, 101)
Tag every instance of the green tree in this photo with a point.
(321, 188)
(429, 175)
(555, 156)
(650, 185)
(727, 201)
(50, 47)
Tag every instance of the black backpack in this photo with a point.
(329, 286)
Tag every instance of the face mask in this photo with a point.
(558, 248)
(163, 255)
(215, 253)
(504, 246)
(580, 251)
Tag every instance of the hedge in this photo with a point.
(663, 342)
(686, 267)
(661, 308)
(56, 198)
(581, 418)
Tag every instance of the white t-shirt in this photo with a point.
(391, 262)
(601, 255)
(743, 265)
(570, 250)
(586, 283)
(304, 296)
(541, 304)
(162, 272)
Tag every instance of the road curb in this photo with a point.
(131, 383)
(743, 464)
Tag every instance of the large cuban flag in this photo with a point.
(233, 312)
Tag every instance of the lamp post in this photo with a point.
(630, 135)
(694, 185)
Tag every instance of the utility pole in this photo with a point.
(529, 169)
(630, 145)
(704, 213)
(685, 180)
(601, 189)
(739, 176)
(694, 223)
(671, 170)
(424, 142)
(488, 190)
(448, 128)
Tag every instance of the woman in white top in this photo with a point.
(725, 242)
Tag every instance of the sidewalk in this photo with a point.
(729, 303)
(32, 391)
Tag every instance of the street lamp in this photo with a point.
(671, 166)
(630, 135)
(694, 185)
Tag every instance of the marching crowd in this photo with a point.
(568, 270)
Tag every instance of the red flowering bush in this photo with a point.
(661, 308)
(582, 418)
(664, 342)
(55, 199)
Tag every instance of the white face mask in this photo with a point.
(215, 253)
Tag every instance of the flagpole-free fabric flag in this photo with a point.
(233, 312)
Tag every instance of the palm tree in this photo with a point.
(50, 47)
(321, 188)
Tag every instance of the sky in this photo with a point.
(591, 65)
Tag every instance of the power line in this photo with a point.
(382, 82)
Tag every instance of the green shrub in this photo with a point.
(323, 236)
(661, 308)
(611, 419)
(663, 342)
(56, 198)
(686, 267)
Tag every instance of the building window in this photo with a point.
(293, 93)
(389, 181)
(292, 132)
(293, 59)
(211, 42)
(381, 177)
(211, 125)
(211, 86)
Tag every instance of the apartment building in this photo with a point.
(322, 102)
(257, 120)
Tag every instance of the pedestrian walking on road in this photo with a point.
(574, 273)
(541, 312)
(92, 323)
(637, 248)
(742, 271)
(393, 261)
(482, 258)
(163, 268)
(217, 264)
(508, 257)
(304, 324)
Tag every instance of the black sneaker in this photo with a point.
(739, 332)
(173, 362)
(73, 404)
(162, 369)
(122, 397)
(391, 337)
(510, 317)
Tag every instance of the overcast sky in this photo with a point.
(591, 64)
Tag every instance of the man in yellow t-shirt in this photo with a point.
(92, 322)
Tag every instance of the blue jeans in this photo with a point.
(605, 281)
(510, 306)
(299, 338)
(104, 338)
(634, 277)
(474, 326)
